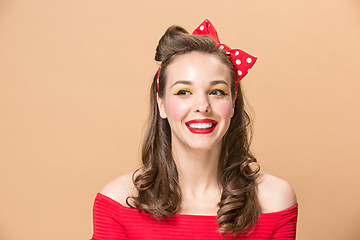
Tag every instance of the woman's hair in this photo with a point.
(157, 180)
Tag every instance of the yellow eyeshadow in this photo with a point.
(220, 88)
(184, 89)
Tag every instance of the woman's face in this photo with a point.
(197, 100)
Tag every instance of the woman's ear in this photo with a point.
(161, 107)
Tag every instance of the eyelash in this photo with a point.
(184, 92)
(219, 90)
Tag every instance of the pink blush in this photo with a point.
(176, 109)
(224, 109)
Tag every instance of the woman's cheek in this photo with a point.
(176, 109)
(224, 109)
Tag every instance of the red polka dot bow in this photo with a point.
(242, 61)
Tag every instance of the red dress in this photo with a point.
(115, 221)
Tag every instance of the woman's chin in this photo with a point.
(203, 146)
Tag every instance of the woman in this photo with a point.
(198, 179)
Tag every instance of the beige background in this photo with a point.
(74, 80)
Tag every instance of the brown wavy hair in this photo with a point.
(156, 181)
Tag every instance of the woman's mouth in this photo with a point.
(201, 126)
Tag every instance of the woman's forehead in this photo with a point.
(196, 67)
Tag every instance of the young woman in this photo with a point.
(198, 179)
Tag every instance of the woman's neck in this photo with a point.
(198, 170)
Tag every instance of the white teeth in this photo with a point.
(201, 125)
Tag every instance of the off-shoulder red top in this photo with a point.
(115, 221)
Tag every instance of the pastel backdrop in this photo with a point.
(74, 83)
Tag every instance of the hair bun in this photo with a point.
(168, 43)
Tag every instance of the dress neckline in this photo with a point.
(192, 215)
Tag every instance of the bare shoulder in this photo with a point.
(120, 188)
(274, 194)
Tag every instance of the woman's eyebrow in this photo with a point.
(190, 83)
(182, 82)
(219, 82)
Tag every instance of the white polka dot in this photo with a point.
(202, 27)
(221, 47)
(228, 53)
(209, 25)
(249, 60)
(239, 73)
(238, 62)
(236, 53)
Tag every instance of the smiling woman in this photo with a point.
(197, 102)
(198, 179)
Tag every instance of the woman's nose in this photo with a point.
(201, 104)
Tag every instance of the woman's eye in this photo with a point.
(183, 92)
(217, 92)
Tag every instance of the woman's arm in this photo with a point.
(108, 222)
(108, 219)
(274, 195)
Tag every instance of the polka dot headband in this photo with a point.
(241, 60)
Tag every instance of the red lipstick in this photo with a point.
(197, 127)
